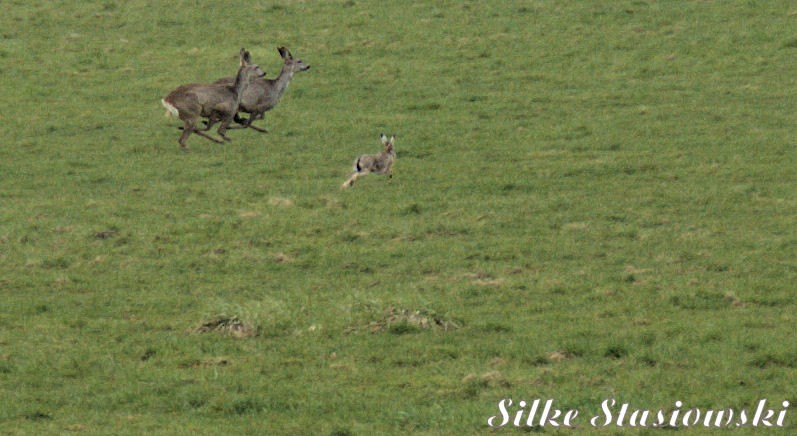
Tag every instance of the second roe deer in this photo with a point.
(216, 102)
(264, 94)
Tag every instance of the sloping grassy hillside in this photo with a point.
(592, 200)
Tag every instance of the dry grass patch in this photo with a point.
(228, 325)
(280, 202)
(282, 257)
(489, 379)
(734, 299)
(485, 279)
(558, 356)
(399, 321)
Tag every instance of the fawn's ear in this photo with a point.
(392, 139)
(284, 53)
(383, 137)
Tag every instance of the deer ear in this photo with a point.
(243, 56)
(383, 138)
(283, 52)
(392, 139)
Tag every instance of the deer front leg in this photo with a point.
(209, 123)
(253, 118)
(205, 135)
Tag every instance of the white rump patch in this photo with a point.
(172, 110)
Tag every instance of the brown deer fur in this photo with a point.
(216, 102)
(263, 94)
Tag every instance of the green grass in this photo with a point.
(592, 200)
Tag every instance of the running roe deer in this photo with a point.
(263, 94)
(381, 163)
(217, 102)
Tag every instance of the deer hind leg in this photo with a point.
(247, 122)
(257, 129)
(225, 124)
(350, 182)
(240, 122)
(188, 128)
(255, 117)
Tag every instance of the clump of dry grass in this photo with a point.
(398, 320)
(232, 326)
(487, 379)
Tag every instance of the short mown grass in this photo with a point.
(591, 200)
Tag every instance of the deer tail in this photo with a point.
(170, 110)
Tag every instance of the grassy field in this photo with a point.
(591, 200)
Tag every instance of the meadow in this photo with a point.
(591, 200)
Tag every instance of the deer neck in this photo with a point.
(282, 81)
(240, 85)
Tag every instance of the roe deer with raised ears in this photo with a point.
(381, 163)
(216, 102)
(263, 94)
